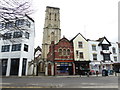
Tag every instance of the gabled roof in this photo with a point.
(102, 39)
(29, 18)
(76, 36)
(63, 39)
(36, 49)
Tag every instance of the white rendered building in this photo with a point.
(17, 46)
(102, 54)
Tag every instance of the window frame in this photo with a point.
(105, 47)
(93, 47)
(81, 55)
(17, 34)
(80, 44)
(5, 48)
(94, 57)
(16, 47)
(106, 57)
(26, 47)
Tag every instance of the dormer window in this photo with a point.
(105, 47)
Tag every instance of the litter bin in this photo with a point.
(104, 73)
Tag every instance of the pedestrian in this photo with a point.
(88, 74)
(97, 73)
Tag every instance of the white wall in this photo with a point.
(20, 54)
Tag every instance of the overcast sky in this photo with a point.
(92, 18)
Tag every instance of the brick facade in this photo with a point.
(61, 57)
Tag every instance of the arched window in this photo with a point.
(68, 52)
(55, 16)
(50, 16)
(64, 51)
(60, 51)
(114, 50)
(52, 36)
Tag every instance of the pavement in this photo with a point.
(100, 75)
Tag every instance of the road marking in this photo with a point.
(98, 87)
(25, 87)
(5, 83)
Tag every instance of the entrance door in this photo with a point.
(4, 66)
(24, 66)
(14, 67)
(70, 70)
(49, 69)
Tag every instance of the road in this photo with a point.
(60, 82)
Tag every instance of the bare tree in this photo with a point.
(10, 9)
(14, 9)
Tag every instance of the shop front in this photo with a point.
(82, 67)
(64, 68)
(94, 67)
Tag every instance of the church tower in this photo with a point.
(52, 31)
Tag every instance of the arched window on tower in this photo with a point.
(55, 17)
(50, 16)
(52, 36)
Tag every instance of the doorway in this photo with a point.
(14, 66)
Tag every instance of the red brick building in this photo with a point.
(61, 58)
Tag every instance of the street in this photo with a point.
(60, 82)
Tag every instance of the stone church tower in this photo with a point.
(52, 31)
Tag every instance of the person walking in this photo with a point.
(97, 73)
